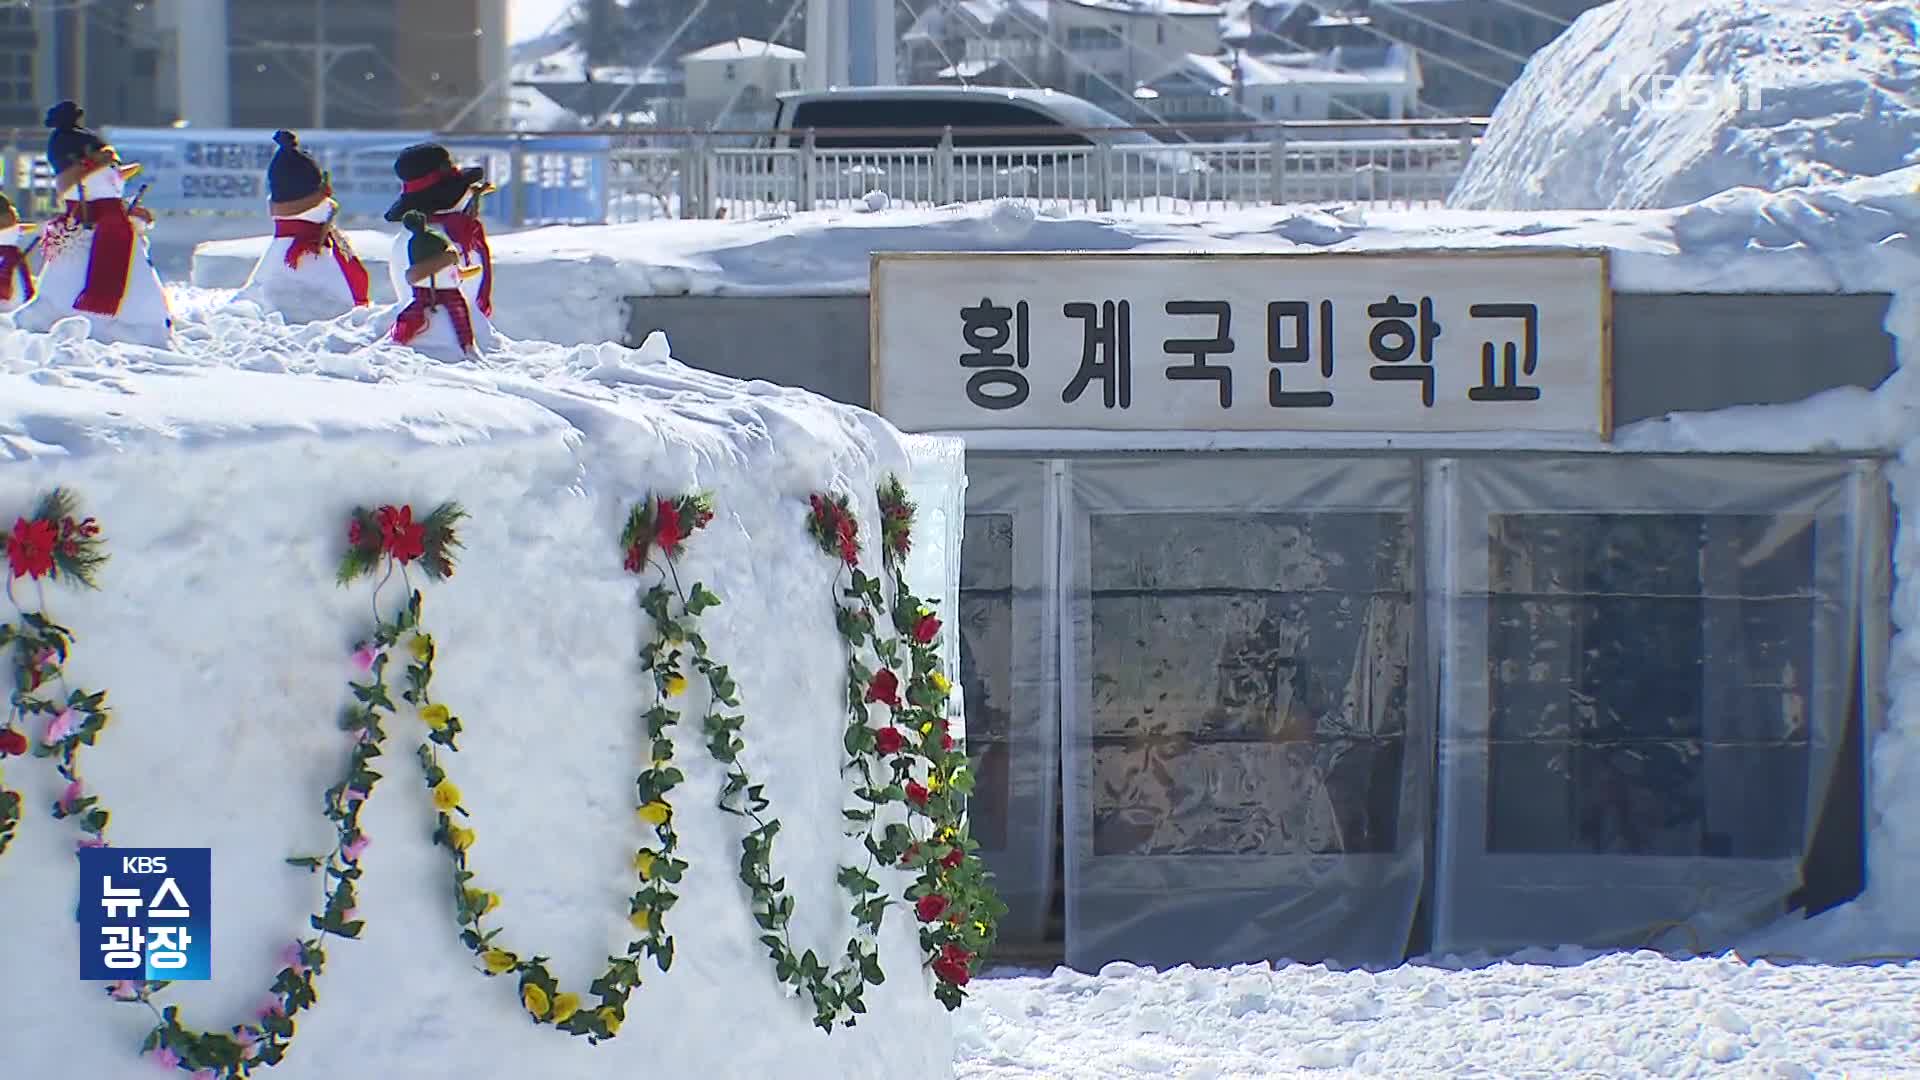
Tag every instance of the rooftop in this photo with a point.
(745, 48)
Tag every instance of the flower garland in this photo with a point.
(953, 895)
(657, 869)
(389, 538)
(51, 545)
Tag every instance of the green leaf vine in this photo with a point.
(51, 545)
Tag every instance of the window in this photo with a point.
(1160, 33)
(1352, 106)
(728, 73)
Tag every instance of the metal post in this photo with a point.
(943, 169)
(517, 177)
(320, 65)
(803, 174)
(1277, 167)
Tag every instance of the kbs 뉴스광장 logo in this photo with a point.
(146, 914)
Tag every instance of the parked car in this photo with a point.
(1006, 142)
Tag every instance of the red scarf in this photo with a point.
(110, 260)
(313, 237)
(11, 263)
(470, 235)
(413, 317)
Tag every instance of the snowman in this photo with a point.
(309, 271)
(97, 261)
(16, 277)
(445, 300)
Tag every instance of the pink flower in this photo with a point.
(353, 795)
(351, 852)
(91, 842)
(206, 1074)
(124, 990)
(294, 957)
(364, 658)
(63, 724)
(271, 1007)
(70, 798)
(165, 1058)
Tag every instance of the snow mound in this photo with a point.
(223, 642)
(1770, 94)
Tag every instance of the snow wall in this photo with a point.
(224, 643)
(1659, 103)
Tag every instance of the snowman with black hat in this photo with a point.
(446, 296)
(98, 265)
(309, 271)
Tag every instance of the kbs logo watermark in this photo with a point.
(146, 914)
(1689, 93)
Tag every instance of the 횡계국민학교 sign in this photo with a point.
(1417, 342)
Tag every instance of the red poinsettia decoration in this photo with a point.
(53, 543)
(391, 532)
(889, 740)
(896, 521)
(665, 524)
(830, 522)
(884, 688)
(13, 742)
(951, 965)
(930, 907)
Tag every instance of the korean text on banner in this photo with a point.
(1417, 342)
(146, 914)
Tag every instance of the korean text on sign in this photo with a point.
(145, 914)
(1399, 350)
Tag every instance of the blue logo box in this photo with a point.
(146, 914)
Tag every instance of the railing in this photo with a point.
(635, 175)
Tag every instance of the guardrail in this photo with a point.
(633, 175)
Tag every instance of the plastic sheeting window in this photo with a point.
(1010, 678)
(1647, 667)
(1243, 738)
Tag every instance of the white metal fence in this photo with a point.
(634, 175)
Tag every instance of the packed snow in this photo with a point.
(572, 280)
(1659, 103)
(224, 644)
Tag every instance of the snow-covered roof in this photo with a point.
(568, 64)
(744, 48)
(1174, 8)
(530, 110)
(1392, 68)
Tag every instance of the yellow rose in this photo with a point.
(640, 919)
(933, 783)
(461, 838)
(676, 684)
(564, 1006)
(940, 682)
(436, 716)
(611, 1019)
(445, 796)
(480, 901)
(499, 961)
(421, 646)
(535, 999)
(655, 813)
(643, 862)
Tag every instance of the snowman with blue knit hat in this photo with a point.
(309, 271)
(97, 261)
(441, 265)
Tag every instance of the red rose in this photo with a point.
(930, 907)
(916, 794)
(946, 742)
(885, 688)
(636, 558)
(951, 965)
(907, 856)
(953, 858)
(354, 533)
(925, 629)
(30, 548)
(888, 740)
(404, 540)
(12, 743)
(666, 526)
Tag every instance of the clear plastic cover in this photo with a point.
(1646, 671)
(1008, 672)
(1245, 749)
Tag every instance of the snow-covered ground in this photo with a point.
(1855, 237)
(1658, 103)
(1543, 1016)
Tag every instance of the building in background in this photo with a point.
(259, 63)
(737, 80)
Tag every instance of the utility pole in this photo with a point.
(324, 57)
